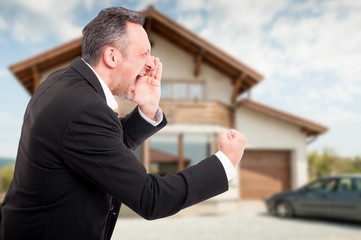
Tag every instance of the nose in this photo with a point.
(149, 63)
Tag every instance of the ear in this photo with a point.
(111, 56)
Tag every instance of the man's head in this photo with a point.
(108, 29)
(117, 46)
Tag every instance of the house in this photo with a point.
(201, 86)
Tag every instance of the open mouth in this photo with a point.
(140, 75)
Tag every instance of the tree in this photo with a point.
(357, 164)
(328, 162)
(320, 165)
(6, 175)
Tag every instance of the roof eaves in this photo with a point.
(309, 127)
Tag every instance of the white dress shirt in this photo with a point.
(112, 103)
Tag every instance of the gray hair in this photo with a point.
(108, 29)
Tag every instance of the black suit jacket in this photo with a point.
(75, 166)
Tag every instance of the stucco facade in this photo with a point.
(263, 132)
(178, 65)
(266, 132)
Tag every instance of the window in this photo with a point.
(357, 184)
(197, 146)
(182, 90)
(196, 91)
(345, 185)
(165, 150)
(165, 143)
(164, 154)
(322, 186)
(166, 89)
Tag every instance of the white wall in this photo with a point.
(179, 65)
(266, 132)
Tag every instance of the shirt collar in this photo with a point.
(111, 102)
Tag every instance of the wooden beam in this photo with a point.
(36, 77)
(199, 60)
(249, 81)
(146, 154)
(237, 87)
(148, 28)
(180, 152)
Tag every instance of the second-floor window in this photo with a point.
(182, 90)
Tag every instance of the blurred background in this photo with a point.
(286, 73)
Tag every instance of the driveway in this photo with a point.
(249, 221)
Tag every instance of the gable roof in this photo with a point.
(308, 127)
(199, 47)
(27, 71)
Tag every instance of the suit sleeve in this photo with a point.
(136, 129)
(94, 149)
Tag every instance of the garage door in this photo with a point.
(264, 173)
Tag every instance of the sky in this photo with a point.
(309, 52)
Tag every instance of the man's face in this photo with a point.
(137, 61)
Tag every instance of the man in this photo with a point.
(75, 165)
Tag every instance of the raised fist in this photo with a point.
(232, 144)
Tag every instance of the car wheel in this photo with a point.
(284, 209)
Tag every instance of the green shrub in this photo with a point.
(328, 162)
(6, 175)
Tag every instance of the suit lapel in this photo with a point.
(83, 69)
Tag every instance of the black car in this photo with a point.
(330, 197)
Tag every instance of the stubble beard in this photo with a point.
(129, 93)
(124, 92)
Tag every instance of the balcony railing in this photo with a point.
(188, 111)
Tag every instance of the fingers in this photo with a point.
(231, 135)
(235, 134)
(158, 74)
(153, 72)
(153, 76)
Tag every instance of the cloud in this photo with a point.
(185, 5)
(22, 32)
(286, 38)
(318, 42)
(8, 120)
(52, 7)
(3, 25)
(8, 150)
(141, 5)
(192, 21)
(38, 21)
(3, 28)
(339, 114)
(4, 73)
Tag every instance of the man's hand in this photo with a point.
(147, 90)
(232, 144)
